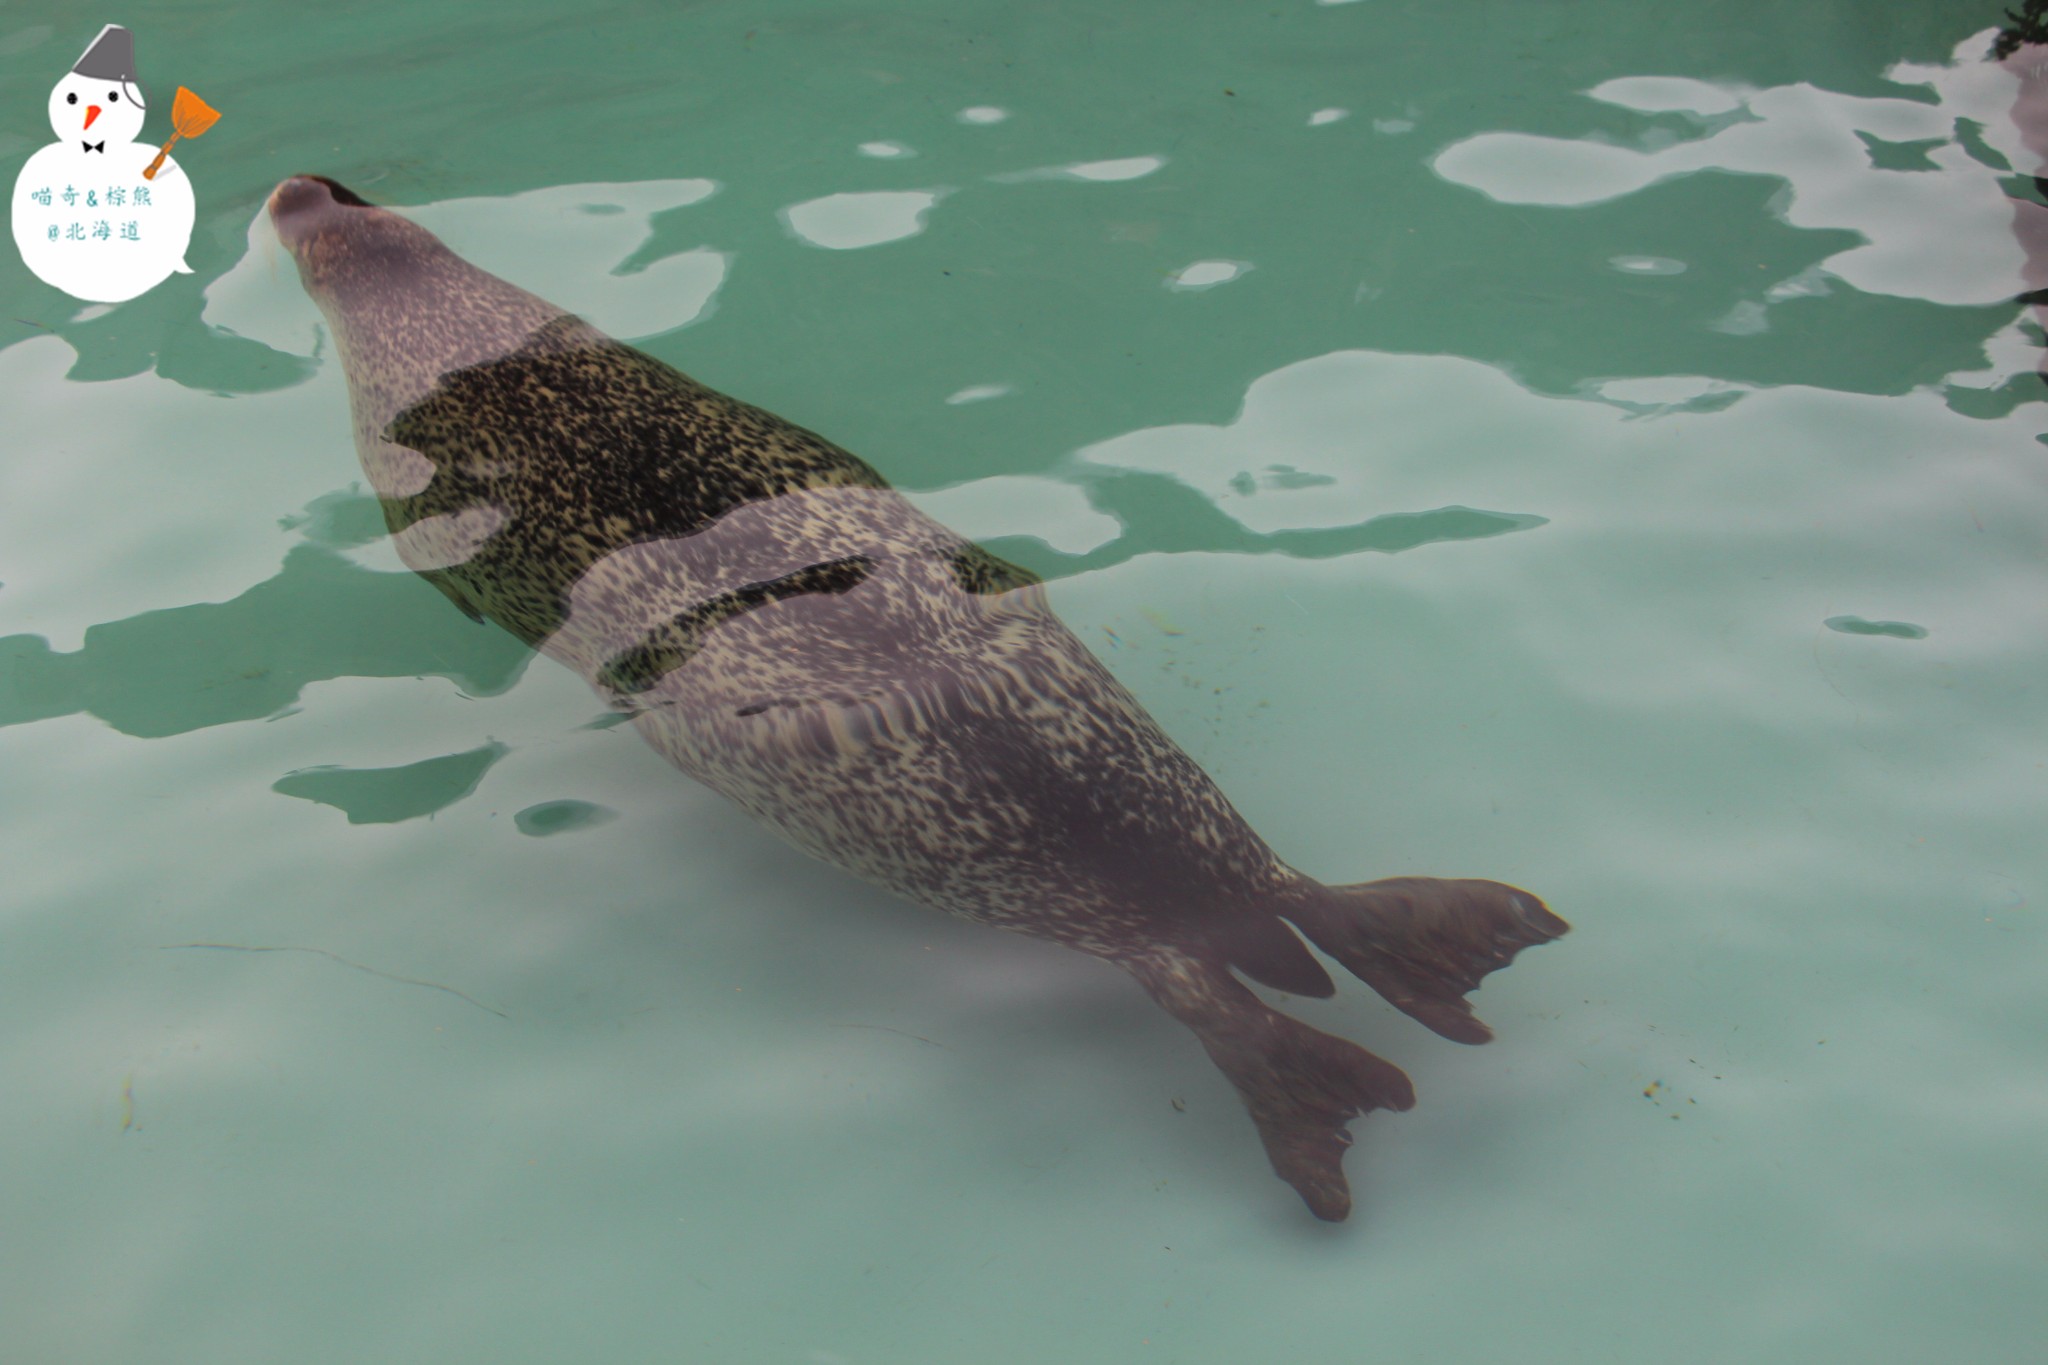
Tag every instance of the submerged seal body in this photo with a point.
(881, 692)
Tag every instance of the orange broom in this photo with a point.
(190, 116)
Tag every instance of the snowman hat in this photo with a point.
(112, 58)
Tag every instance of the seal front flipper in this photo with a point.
(1423, 942)
(1301, 1086)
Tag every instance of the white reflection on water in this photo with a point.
(1207, 274)
(845, 222)
(1124, 168)
(1647, 265)
(1116, 168)
(977, 393)
(1810, 138)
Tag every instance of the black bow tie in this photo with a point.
(94, 146)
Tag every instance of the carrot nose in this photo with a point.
(92, 111)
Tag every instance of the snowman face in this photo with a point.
(74, 102)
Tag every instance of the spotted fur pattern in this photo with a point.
(881, 692)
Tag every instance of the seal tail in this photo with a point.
(1423, 943)
(1270, 953)
(1301, 1086)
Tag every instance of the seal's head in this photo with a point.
(347, 247)
(406, 314)
(404, 309)
(293, 199)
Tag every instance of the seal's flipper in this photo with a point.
(1267, 951)
(1423, 942)
(1301, 1086)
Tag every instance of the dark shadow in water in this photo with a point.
(1161, 515)
(322, 616)
(384, 796)
(1856, 625)
(562, 817)
(184, 668)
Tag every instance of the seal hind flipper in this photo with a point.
(1267, 951)
(1424, 942)
(1300, 1085)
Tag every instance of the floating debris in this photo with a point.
(1158, 619)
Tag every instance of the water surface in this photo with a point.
(1592, 447)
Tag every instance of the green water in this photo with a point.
(1636, 498)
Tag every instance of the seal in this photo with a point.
(881, 692)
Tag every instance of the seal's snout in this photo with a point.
(301, 204)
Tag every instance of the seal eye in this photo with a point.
(113, 97)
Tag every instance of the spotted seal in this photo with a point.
(878, 690)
